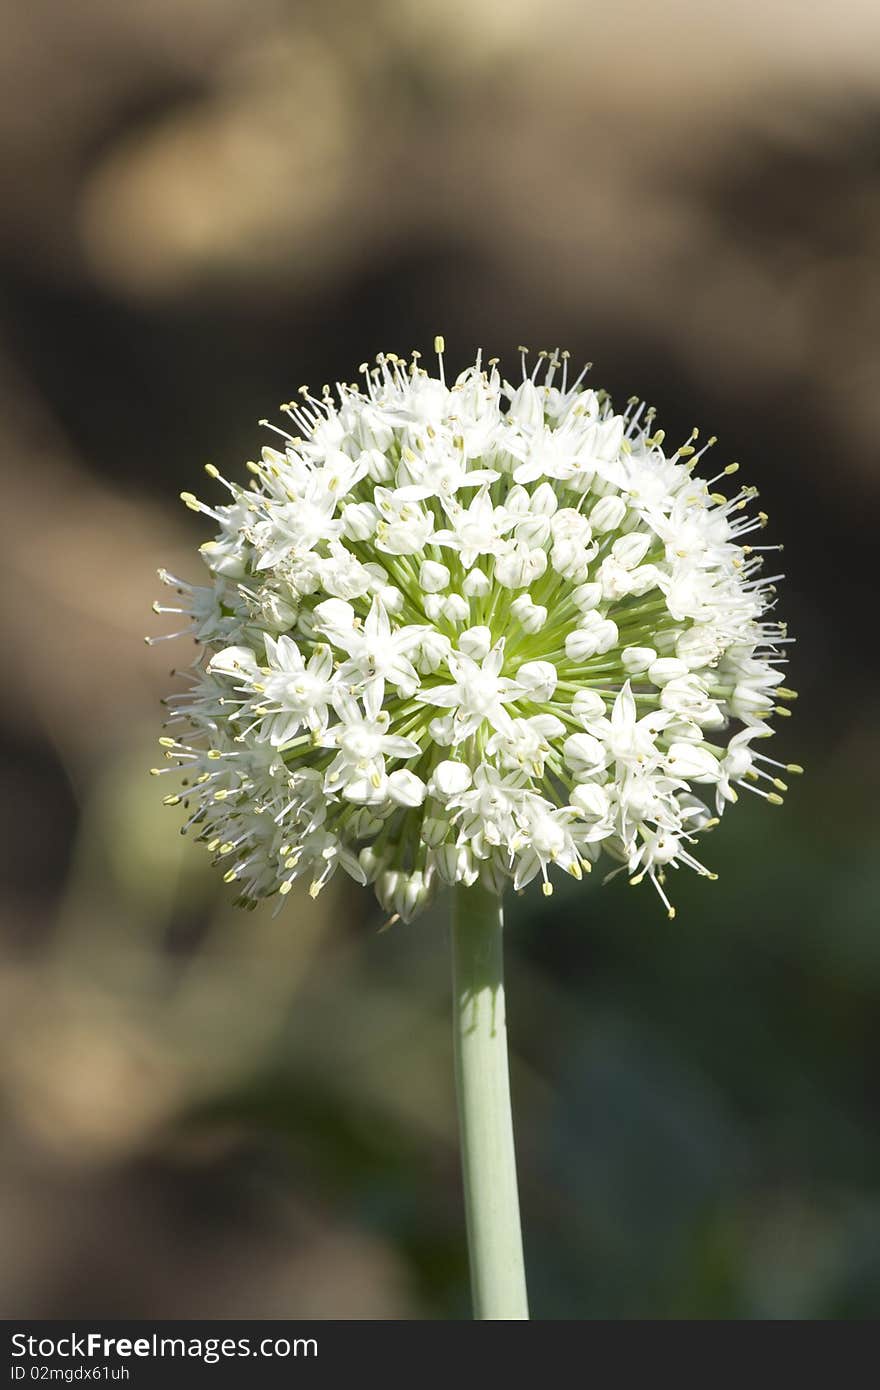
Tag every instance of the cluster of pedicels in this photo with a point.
(470, 632)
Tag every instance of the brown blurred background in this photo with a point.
(205, 203)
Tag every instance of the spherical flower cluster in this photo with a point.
(472, 631)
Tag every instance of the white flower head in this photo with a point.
(473, 632)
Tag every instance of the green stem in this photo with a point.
(486, 1125)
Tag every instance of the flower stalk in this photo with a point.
(485, 1120)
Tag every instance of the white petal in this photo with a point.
(233, 661)
(405, 789)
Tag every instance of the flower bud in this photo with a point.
(587, 596)
(456, 609)
(592, 639)
(526, 405)
(491, 875)
(570, 559)
(644, 578)
(637, 659)
(405, 789)
(697, 647)
(455, 864)
(530, 616)
(533, 531)
(591, 800)
(359, 520)
(538, 679)
(666, 669)
(372, 862)
(450, 779)
(519, 501)
(434, 830)
(588, 704)
(364, 823)
(631, 550)
(519, 567)
(233, 661)
(685, 695)
(404, 893)
(692, 762)
(568, 524)
(583, 754)
(392, 598)
(544, 501)
(433, 576)
(379, 466)
(607, 514)
(475, 642)
(433, 649)
(476, 584)
(746, 701)
(615, 580)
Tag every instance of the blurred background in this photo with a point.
(204, 204)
